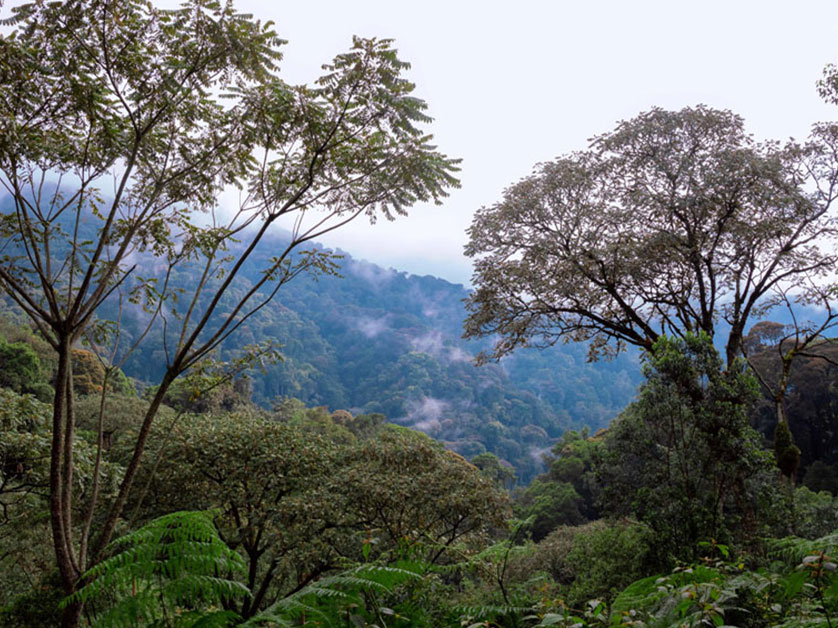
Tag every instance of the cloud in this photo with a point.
(430, 343)
(371, 272)
(425, 414)
(538, 453)
(455, 354)
(372, 327)
(433, 343)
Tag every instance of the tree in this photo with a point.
(21, 367)
(501, 475)
(793, 342)
(269, 483)
(298, 499)
(793, 363)
(683, 458)
(550, 504)
(672, 222)
(119, 105)
(415, 496)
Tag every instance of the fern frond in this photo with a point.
(345, 587)
(174, 562)
(793, 549)
(491, 610)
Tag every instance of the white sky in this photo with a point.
(511, 84)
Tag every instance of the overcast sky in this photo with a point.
(513, 84)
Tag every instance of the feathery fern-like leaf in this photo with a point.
(166, 573)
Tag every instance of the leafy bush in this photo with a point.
(816, 514)
(608, 559)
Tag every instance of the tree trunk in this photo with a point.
(115, 510)
(71, 616)
(60, 502)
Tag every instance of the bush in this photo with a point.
(816, 514)
(21, 367)
(598, 559)
(609, 559)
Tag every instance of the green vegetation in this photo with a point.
(167, 108)
(298, 516)
(178, 450)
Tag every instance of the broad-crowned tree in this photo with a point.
(120, 126)
(672, 223)
(298, 500)
(413, 495)
(268, 482)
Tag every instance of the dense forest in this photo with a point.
(374, 340)
(206, 420)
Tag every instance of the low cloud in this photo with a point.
(371, 272)
(538, 453)
(430, 343)
(372, 327)
(426, 414)
(455, 354)
(433, 343)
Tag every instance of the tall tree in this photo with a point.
(140, 118)
(671, 223)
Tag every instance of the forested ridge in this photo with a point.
(375, 340)
(208, 421)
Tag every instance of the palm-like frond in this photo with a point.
(158, 574)
(793, 549)
(345, 588)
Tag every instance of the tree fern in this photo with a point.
(174, 571)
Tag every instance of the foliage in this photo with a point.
(811, 405)
(800, 590)
(34, 608)
(492, 468)
(297, 498)
(89, 375)
(576, 460)
(377, 341)
(268, 481)
(669, 224)
(607, 560)
(550, 504)
(25, 440)
(167, 108)
(822, 477)
(174, 571)
(683, 458)
(414, 496)
(185, 395)
(24, 476)
(352, 595)
(786, 453)
(21, 367)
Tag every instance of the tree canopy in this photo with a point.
(671, 223)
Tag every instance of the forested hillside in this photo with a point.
(375, 340)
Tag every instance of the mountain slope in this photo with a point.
(379, 340)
